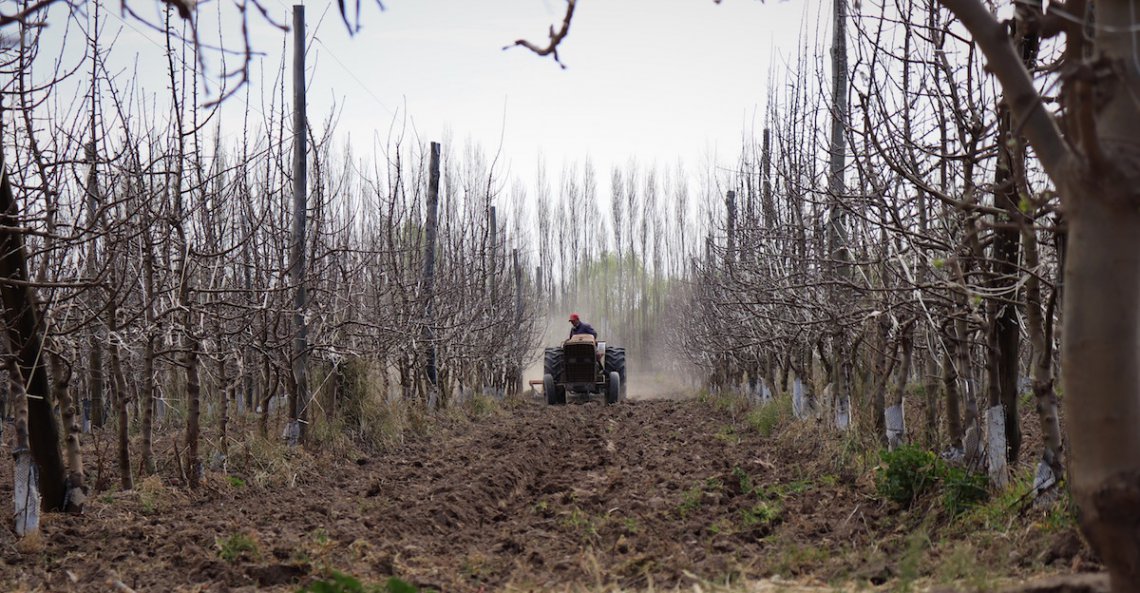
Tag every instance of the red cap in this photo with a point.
(573, 317)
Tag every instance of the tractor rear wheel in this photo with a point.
(615, 361)
(553, 362)
(613, 389)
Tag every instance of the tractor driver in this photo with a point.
(577, 326)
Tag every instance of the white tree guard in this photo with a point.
(843, 412)
(292, 433)
(1044, 479)
(971, 447)
(799, 402)
(26, 494)
(996, 447)
(896, 426)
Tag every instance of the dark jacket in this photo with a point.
(583, 328)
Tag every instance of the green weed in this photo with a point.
(1002, 508)
(580, 522)
(962, 490)
(762, 514)
(728, 435)
(691, 501)
(631, 525)
(237, 547)
(743, 478)
(767, 417)
(339, 582)
(906, 473)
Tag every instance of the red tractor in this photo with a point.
(584, 366)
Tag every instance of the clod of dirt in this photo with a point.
(1076, 583)
(277, 574)
(1065, 547)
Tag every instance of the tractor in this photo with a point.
(584, 366)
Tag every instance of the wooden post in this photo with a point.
(518, 375)
(730, 207)
(494, 251)
(96, 382)
(430, 231)
(299, 395)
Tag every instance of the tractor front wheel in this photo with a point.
(613, 389)
(555, 396)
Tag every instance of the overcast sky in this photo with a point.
(659, 80)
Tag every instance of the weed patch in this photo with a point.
(766, 418)
(238, 546)
(339, 582)
(962, 490)
(906, 473)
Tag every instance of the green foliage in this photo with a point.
(1002, 508)
(782, 490)
(339, 582)
(236, 547)
(767, 417)
(235, 481)
(581, 523)
(743, 478)
(762, 514)
(691, 501)
(910, 471)
(906, 473)
(962, 490)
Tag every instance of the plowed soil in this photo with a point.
(647, 494)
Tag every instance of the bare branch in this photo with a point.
(556, 37)
(1038, 125)
(22, 16)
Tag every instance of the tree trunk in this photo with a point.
(953, 411)
(76, 495)
(1004, 336)
(1101, 375)
(1040, 324)
(1095, 161)
(149, 390)
(224, 404)
(26, 493)
(193, 407)
(25, 337)
(895, 418)
(126, 481)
